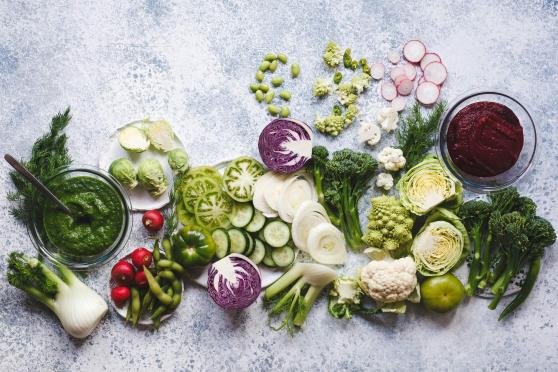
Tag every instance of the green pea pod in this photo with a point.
(176, 300)
(171, 265)
(158, 312)
(146, 300)
(135, 305)
(177, 286)
(155, 288)
(128, 312)
(167, 247)
(156, 251)
(167, 274)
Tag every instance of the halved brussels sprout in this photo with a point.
(123, 170)
(152, 176)
(133, 139)
(161, 135)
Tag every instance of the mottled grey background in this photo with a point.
(191, 63)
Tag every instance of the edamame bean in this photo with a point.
(155, 288)
(286, 95)
(269, 96)
(254, 87)
(277, 81)
(285, 111)
(282, 57)
(167, 247)
(128, 312)
(259, 96)
(167, 274)
(337, 77)
(295, 70)
(259, 76)
(158, 312)
(146, 300)
(168, 264)
(273, 110)
(156, 251)
(264, 66)
(270, 57)
(273, 66)
(135, 305)
(264, 88)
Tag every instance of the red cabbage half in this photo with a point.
(285, 145)
(234, 282)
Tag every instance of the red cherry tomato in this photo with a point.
(123, 273)
(141, 257)
(153, 220)
(140, 279)
(120, 294)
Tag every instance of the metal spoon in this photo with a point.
(38, 184)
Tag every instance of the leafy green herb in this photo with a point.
(48, 154)
(416, 133)
(171, 219)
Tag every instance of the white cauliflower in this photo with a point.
(391, 159)
(388, 119)
(388, 281)
(384, 181)
(369, 133)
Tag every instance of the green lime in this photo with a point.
(442, 293)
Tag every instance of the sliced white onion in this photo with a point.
(309, 215)
(326, 245)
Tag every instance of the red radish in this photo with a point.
(140, 279)
(398, 103)
(405, 87)
(428, 58)
(394, 57)
(141, 257)
(120, 294)
(389, 92)
(435, 72)
(377, 70)
(427, 93)
(413, 51)
(399, 79)
(396, 71)
(410, 71)
(153, 220)
(123, 273)
(421, 80)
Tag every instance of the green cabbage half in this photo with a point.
(441, 244)
(427, 185)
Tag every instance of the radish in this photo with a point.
(153, 220)
(427, 93)
(377, 70)
(141, 257)
(123, 273)
(428, 58)
(405, 87)
(410, 71)
(413, 51)
(393, 56)
(396, 71)
(399, 79)
(421, 80)
(389, 92)
(398, 103)
(435, 72)
(120, 294)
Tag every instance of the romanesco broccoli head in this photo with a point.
(332, 125)
(345, 94)
(322, 88)
(350, 114)
(332, 55)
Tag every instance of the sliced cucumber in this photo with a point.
(283, 256)
(260, 235)
(251, 244)
(242, 214)
(193, 190)
(222, 241)
(238, 240)
(258, 221)
(259, 252)
(277, 234)
(240, 176)
(267, 260)
(213, 209)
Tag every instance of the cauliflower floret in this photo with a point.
(332, 55)
(388, 119)
(369, 133)
(388, 281)
(385, 181)
(322, 88)
(391, 159)
(350, 114)
(345, 94)
(360, 83)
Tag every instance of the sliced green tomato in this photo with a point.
(258, 221)
(258, 253)
(242, 214)
(276, 234)
(213, 209)
(238, 239)
(184, 217)
(193, 190)
(267, 259)
(203, 171)
(240, 176)
(251, 244)
(283, 256)
(222, 242)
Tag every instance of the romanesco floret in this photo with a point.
(332, 55)
(389, 224)
(360, 83)
(332, 124)
(350, 114)
(345, 94)
(322, 88)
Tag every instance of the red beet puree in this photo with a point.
(485, 139)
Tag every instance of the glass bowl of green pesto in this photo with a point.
(100, 223)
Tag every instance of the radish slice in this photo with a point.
(262, 184)
(427, 93)
(398, 103)
(377, 70)
(421, 80)
(435, 72)
(405, 87)
(413, 51)
(399, 79)
(428, 58)
(389, 92)
(326, 245)
(410, 71)
(309, 215)
(396, 71)
(273, 188)
(393, 56)
(295, 191)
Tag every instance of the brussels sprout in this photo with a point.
(178, 160)
(133, 139)
(152, 176)
(161, 135)
(123, 170)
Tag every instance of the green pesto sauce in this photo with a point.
(96, 220)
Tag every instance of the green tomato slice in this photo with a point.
(184, 217)
(213, 209)
(240, 176)
(195, 189)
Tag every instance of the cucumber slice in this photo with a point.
(251, 244)
(213, 209)
(258, 221)
(221, 239)
(195, 189)
(240, 176)
(267, 260)
(277, 234)
(283, 256)
(259, 252)
(242, 214)
(260, 235)
(238, 240)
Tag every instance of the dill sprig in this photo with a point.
(416, 133)
(48, 154)
(171, 219)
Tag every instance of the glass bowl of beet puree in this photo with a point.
(487, 140)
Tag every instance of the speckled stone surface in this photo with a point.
(191, 63)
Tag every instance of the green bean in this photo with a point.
(286, 95)
(135, 305)
(155, 288)
(156, 251)
(167, 274)
(254, 87)
(168, 264)
(264, 88)
(273, 110)
(167, 247)
(269, 96)
(264, 66)
(277, 81)
(259, 96)
(282, 57)
(295, 70)
(270, 57)
(285, 111)
(273, 66)
(259, 76)
(337, 77)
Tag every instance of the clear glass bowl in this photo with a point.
(526, 157)
(74, 262)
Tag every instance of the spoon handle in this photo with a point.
(38, 184)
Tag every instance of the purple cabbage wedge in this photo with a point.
(285, 145)
(234, 282)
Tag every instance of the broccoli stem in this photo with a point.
(318, 184)
(311, 295)
(499, 288)
(471, 285)
(526, 288)
(482, 276)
